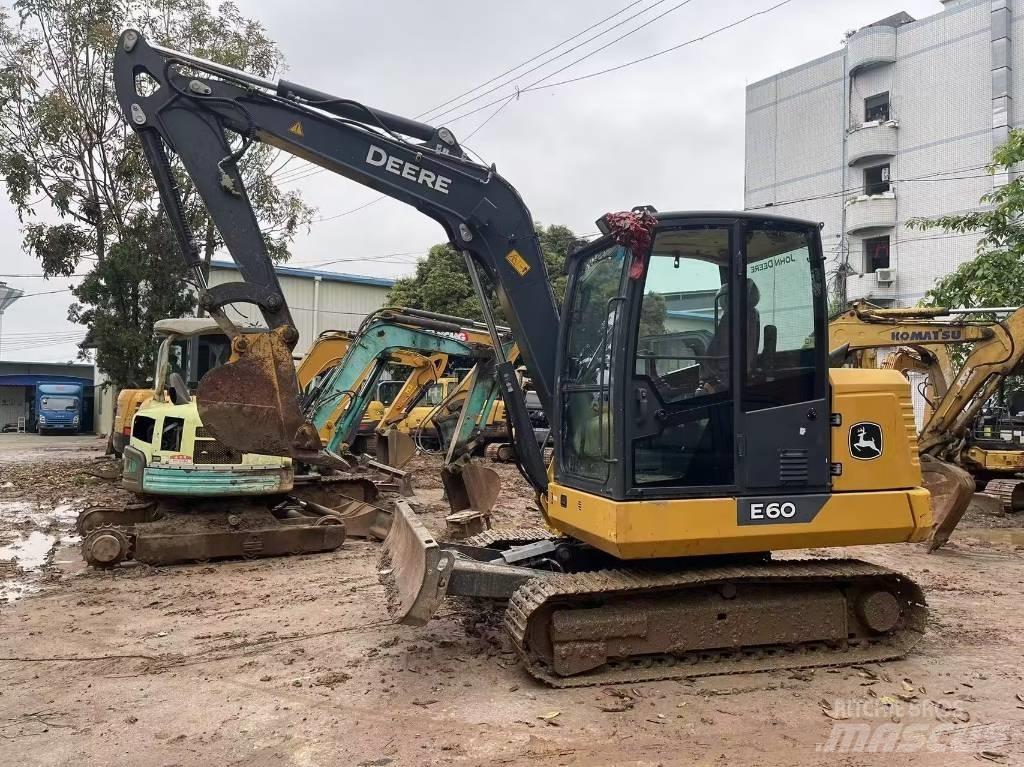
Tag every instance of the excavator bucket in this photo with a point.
(413, 569)
(470, 485)
(951, 489)
(395, 448)
(252, 403)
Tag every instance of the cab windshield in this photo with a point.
(59, 403)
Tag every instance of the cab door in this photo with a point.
(783, 419)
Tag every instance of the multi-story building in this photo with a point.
(898, 124)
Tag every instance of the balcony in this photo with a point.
(867, 287)
(866, 212)
(871, 141)
(870, 47)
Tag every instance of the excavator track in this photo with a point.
(505, 537)
(621, 626)
(1010, 493)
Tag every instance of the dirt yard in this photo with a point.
(293, 662)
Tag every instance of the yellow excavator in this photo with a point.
(679, 478)
(200, 499)
(957, 453)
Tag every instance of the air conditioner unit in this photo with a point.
(885, 277)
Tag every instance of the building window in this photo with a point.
(876, 179)
(876, 254)
(876, 108)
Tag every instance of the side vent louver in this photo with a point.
(793, 466)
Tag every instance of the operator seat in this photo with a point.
(718, 369)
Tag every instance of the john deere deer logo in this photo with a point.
(865, 440)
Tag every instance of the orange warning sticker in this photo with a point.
(518, 262)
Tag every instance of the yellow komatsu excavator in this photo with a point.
(957, 454)
(680, 478)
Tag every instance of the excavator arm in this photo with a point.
(341, 401)
(208, 114)
(987, 366)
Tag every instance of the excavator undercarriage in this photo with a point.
(578, 618)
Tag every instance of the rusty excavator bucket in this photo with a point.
(469, 485)
(251, 404)
(395, 448)
(951, 489)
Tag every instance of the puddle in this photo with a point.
(1014, 536)
(28, 536)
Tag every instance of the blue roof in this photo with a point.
(295, 271)
(34, 379)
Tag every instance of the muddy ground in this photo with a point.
(293, 662)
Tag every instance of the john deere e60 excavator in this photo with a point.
(676, 476)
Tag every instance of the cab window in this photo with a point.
(683, 353)
(593, 315)
(781, 360)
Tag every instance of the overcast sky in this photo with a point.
(668, 132)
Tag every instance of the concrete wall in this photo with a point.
(941, 95)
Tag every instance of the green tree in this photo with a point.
(76, 176)
(995, 276)
(441, 282)
(136, 284)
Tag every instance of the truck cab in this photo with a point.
(58, 408)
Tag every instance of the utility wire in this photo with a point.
(494, 114)
(531, 70)
(536, 85)
(364, 206)
(534, 58)
(314, 171)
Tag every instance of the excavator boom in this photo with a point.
(253, 403)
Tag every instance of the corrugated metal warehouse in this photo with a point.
(318, 300)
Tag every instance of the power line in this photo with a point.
(543, 53)
(494, 114)
(536, 85)
(313, 172)
(349, 212)
(896, 182)
(623, 36)
(642, 59)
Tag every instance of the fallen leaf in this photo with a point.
(826, 709)
(549, 715)
(908, 685)
(992, 756)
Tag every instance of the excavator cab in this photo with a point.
(745, 413)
